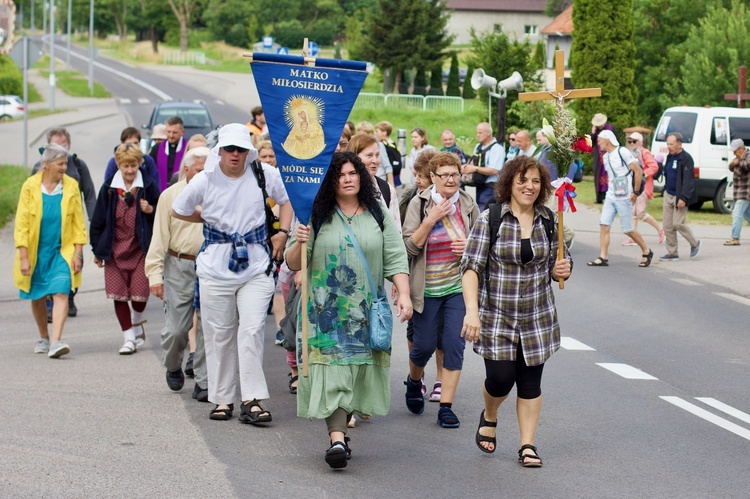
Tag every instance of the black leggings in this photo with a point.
(502, 374)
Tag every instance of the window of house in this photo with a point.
(497, 27)
(530, 29)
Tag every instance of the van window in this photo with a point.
(740, 128)
(677, 122)
(719, 131)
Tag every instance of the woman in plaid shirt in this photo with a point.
(515, 329)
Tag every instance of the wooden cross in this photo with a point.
(560, 94)
(741, 96)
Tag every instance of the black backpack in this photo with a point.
(385, 190)
(272, 221)
(394, 157)
(495, 221)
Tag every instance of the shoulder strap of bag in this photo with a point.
(355, 243)
(77, 163)
(385, 190)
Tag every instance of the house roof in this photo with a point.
(562, 24)
(498, 5)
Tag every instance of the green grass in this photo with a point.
(11, 179)
(706, 215)
(75, 84)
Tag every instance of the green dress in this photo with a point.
(344, 372)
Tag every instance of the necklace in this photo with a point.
(350, 218)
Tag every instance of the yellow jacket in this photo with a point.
(28, 222)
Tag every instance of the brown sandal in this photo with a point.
(732, 242)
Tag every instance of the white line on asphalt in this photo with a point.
(626, 371)
(733, 297)
(569, 343)
(220, 102)
(143, 100)
(742, 416)
(138, 82)
(125, 101)
(711, 418)
(686, 282)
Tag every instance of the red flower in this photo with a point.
(582, 146)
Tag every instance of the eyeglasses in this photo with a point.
(446, 176)
(631, 141)
(231, 149)
(512, 139)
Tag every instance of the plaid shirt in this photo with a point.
(741, 177)
(520, 302)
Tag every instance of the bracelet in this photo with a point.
(285, 231)
(78, 255)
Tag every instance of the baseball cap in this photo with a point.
(610, 136)
(636, 136)
(235, 134)
(736, 144)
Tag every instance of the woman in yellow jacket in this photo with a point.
(49, 236)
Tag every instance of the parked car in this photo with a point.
(195, 116)
(461, 75)
(11, 106)
(706, 132)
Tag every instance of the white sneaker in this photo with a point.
(41, 345)
(58, 349)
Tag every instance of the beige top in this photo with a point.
(170, 233)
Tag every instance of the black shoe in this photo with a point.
(200, 394)
(72, 309)
(175, 380)
(189, 366)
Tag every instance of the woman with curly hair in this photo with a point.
(511, 315)
(346, 375)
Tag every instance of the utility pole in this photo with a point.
(91, 47)
(70, 17)
(52, 82)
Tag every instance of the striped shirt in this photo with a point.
(519, 302)
(442, 276)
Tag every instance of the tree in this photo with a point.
(467, 92)
(660, 29)
(182, 10)
(355, 39)
(718, 45)
(539, 59)
(603, 55)
(420, 82)
(436, 80)
(555, 7)
(234, 21)
(453, 77)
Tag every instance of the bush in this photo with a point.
(323, 32)
(195, 37)
(11, 79)
(290, 33)
(468, 92)
(453, 78)
(436, 80)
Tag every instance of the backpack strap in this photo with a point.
(77, 163)
(422, 203)
(270, 217)
(385, 190)
(495, 221)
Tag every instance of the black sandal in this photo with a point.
(338, 454)
(599, 262)
(648, 258)
(248, 416)
(221, 414)
(479, 438)
(522, 458)
(292, 380)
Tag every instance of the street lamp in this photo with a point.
(514, 82)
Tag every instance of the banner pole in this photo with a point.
(305, 371)
(560, 244)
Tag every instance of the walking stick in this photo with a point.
(305, 371)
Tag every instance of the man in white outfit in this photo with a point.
(234, 269)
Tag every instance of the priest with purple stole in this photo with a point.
(168, 153)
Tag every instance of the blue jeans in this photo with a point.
(741, 210)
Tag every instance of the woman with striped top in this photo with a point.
(437, 222)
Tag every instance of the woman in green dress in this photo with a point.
(346, 376)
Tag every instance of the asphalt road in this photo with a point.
(95, 424)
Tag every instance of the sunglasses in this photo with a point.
(231, 149)
(631, 141)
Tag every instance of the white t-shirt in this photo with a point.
(231, 205)
(615, 167)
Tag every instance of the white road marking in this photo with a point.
(125, 101)
(686, 282)
(143, 84)
(737, 298)
(711, 418)
(220, 102)
(742, 416)
(569, 343)
(143, 100)
(626, 371)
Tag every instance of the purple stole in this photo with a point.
(162, 162)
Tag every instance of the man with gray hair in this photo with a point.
(170, 268)
(740, 168)
(488, 160)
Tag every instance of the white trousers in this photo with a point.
(234, 318)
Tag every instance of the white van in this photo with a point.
(706, 132)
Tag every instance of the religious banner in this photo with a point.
(306, 102)
(7, 24)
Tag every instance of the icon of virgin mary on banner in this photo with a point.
(306, 138)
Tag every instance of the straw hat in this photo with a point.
(599, 119)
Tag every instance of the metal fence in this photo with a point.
(190, 57)
(405, 101)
